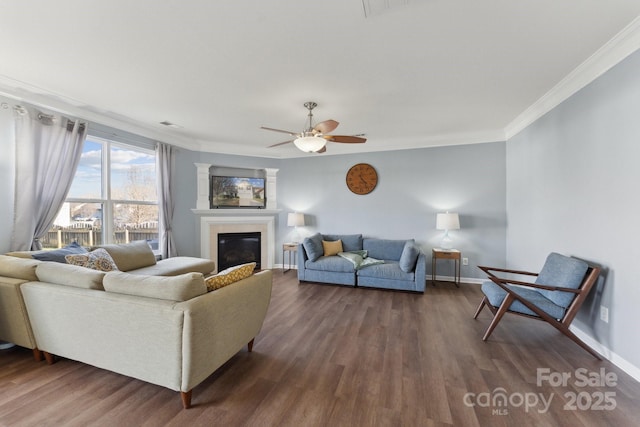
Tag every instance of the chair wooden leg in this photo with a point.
(567, 332)
(37, 354)
(484, 302)
(499, 313)
(50, 358)
(186, 399)
(250, 345)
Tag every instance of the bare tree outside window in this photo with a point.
(129, 211)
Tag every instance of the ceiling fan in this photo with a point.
(314, 138)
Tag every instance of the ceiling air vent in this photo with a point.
(377, 7)
(169, 124)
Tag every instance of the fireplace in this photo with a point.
(212, 225)
(238, 248)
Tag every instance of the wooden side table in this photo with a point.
(291, 248)
(453, 254)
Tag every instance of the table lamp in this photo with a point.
(295, 220)
(447, 221)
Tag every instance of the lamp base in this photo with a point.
(447, 242)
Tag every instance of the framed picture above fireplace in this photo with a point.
(236, 192)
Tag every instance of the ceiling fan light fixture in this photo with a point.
(310, 144)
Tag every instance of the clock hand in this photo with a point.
(362, 179)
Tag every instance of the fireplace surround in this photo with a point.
(215, 221)
(211, 226)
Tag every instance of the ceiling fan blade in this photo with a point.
(345, 139)
(326, 126)
(280, 130)
(280, 143)
(322, 150)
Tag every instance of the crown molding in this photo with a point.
(433, 141)
(613, 52)
(50, 101)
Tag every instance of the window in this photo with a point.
(112, 198)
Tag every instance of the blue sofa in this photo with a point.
(403, 267)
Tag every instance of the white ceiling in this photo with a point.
(408, 73)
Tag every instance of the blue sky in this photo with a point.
(87, 180)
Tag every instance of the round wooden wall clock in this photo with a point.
(362, 178)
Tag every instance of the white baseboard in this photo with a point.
(472, 280)
(606, 352)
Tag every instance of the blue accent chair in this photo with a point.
(555, 297)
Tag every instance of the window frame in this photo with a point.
(108, 203)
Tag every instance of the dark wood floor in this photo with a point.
(338, 356)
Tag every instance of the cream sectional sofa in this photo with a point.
(135, 258)
(167, 331)
(14, 321)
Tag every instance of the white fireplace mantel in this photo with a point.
(230, 220)
(221, 212)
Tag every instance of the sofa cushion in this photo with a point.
(58, 255)
(229, 276)
(70, 275)
(330, 263)
(313, 246)
(98, 259)
(496, 295)
(174, 288)
(562, 271)
(130, 256)
(18, 268)
(389, 270)
(409, 256)
(331, 247)
(23, 254)
(384, 248)
(350, 242)
(177, 265)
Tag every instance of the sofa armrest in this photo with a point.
(217, 325)
(301, 258)
(421, 272)
(14, 321)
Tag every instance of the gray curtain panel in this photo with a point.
(48, 150)
(165, 166)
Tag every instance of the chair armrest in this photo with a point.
(505, 270)
(498, 280)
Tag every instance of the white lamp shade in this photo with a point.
(447, 221)
(310, 144)
(295, 219)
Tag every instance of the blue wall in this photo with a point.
(572, 187)
(413, 186)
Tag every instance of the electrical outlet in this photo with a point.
(465, 261)
(604, 314)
